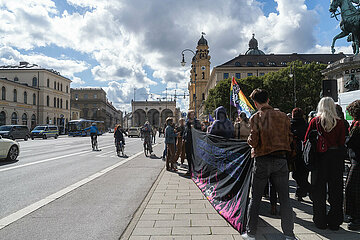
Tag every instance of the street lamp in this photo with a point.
(183, 63)
(292, 75)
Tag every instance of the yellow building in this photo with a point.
(200, 74)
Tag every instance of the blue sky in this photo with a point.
(125, 44)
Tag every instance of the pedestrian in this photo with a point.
(170, 145)
(270, 139)
(340, 114)
(160, 129)
(301, 173)
(154, 134)
(352, 187)
(222, 126)
(180, 146)
(191, 123)
(242, 127)
(119, 137)
(329, 166)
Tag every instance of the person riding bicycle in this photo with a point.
(94, 131)
(119, 137)
(146, 130)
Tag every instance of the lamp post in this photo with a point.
(183, 63)
(292, 75)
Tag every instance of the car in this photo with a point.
(111, 130)
(134, 132)
(15, 132)
(9, 149)
(45, 131)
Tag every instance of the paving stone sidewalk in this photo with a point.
(175, 209)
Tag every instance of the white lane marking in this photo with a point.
(33, 207)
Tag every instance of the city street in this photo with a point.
(61, 189)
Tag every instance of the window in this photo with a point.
(24, 119)
(34, 99)
(2, 118)
(85, 111)
(48, 83)
(76, 96)
(67, 104)
(238, 75)
(85, 96)
(237, 64)
(67, 89)
(55, 85)
(261, 64)
(203, 75)
(14, 118)
(54, 102)
(34, 81)
(85, 104)
(33, 121)
(16, 79)
(60, 103)
(226, 75)
(76, 105)
(54, 121)
(249, 64)
(95, 96)
(48, 101)
(262, 74)
(94, 105)
(250, 74)
(47, 120)
(60, 87)
(25, 97)
(203, 96)
(3, 93)
(15, 95)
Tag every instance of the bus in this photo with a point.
(76, 127)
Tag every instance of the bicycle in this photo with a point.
(94, 142)
(120, 148)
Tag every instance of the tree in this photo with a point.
(280, 87)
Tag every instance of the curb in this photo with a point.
(136, 217)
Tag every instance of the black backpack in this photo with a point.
(309, 152)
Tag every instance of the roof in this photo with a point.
(28, 66)
(280, 60)
(202, 41)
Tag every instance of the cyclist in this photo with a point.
(119, 138)
(94, 131)
(146, 130)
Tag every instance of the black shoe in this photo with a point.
(334, 227)
(321, 226)
(354, 225)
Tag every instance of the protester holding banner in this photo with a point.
(170, 136)
(222, 125)
(191, 122)
(270, 139)
(242, 127)
(328, 173)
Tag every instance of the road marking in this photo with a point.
(33, 207)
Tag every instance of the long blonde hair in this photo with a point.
(327, 112)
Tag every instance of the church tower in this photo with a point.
(200, 74)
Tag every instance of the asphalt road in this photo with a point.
(61, 189)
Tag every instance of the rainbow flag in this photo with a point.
(238, 99)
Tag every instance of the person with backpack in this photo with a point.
(352, 187)
(301, 173)
(329, 166)
(222, 126)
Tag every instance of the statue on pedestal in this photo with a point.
(352, 84)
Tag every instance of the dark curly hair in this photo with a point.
(354, 109)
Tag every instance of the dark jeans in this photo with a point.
(266, 167)
(189, 153)
(329, 172)
(301, 175)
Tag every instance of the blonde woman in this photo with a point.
(328, 173)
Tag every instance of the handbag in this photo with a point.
(321, 145)
(309, 151)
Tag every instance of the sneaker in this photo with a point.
(245, 236)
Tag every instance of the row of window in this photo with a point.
(238, 75)
(15, 96)
(15, 120)
(86, 96)
(57, 86)
(58, 103)
(34, 81)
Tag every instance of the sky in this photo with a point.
(120, 45)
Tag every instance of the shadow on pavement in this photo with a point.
(5, 162)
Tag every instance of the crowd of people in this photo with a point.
(277, 140)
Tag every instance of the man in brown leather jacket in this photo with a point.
(270, 139)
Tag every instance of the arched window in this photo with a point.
(34, 99)
(24, 119)
(54, 84)
(54, 102)
(34, 81)
(47, 120)
(48, 101)
(60, 103)
(67, 104)
(2, 118)
(14, 118)
(3, 93)
(203, 75)
(48, 83)
(33, 121)
(25, 97)
(15, 95)
(60, 87)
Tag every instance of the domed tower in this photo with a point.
(254, 47)
(200, 66)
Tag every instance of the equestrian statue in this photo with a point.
(350, 22)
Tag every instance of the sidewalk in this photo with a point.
(175, 209)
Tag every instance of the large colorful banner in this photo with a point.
(222, 171)
(238, 99)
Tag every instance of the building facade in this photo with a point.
(44, 89)
(94, 105)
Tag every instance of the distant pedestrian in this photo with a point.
(222, 125)
(270, 140)
(352, 187)
(180, 146)
(242, 127)
(170, 145)
(154, 134)
(191, 122)
(327, 178)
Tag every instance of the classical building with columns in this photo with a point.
(155, 112)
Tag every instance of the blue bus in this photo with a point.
(76, 127)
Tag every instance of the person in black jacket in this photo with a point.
(301, 173)
(119, 137)
(191, 122)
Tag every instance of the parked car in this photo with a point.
(134, 132)
(9, 149)
(45, 131)
(15, 132)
